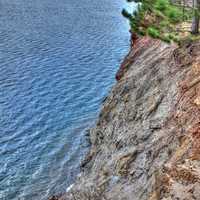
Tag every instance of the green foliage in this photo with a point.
(153, 32)
(162, 5)
(174, 14)
(126, 14)
(170, 37)
(158, 19)
(166, 39)
(164, 23)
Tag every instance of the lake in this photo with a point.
(58, 61)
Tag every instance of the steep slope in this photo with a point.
(146, 143)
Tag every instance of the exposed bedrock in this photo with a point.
(146, 142)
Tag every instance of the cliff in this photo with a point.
(146, 142)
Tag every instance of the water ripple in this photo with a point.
(58, 61)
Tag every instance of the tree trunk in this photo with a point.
(196, 18)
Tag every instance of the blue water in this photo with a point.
(58, 59)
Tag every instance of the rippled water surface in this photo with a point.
(58, 59)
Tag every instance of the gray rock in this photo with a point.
(135, 144)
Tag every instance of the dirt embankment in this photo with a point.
(146, 143)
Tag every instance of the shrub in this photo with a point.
(174, 14)
(170, 37)
(161, 5)
(126, 14)
(153, 32)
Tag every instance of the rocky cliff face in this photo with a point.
(146, 143)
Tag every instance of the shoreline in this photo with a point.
(87, 157)
(140, 138)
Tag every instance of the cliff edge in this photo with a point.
(146, 143)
